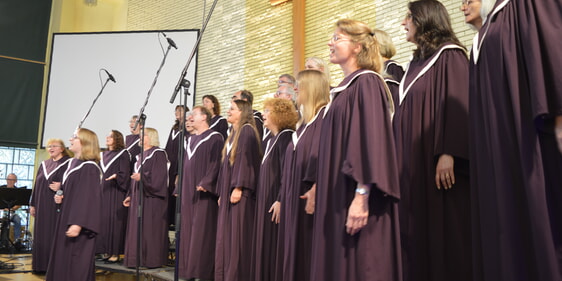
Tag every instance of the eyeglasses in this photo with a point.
(337, 38)
(466, 2)
(53, 146)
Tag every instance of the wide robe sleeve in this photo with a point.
(209, 181)
(247, 163)
(451, 104)
(537, 23)
(371, 154)
(155, 174)
(39, 179)
(311, 171)
(124, 173)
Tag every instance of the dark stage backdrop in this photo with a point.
(133, 58)
(24, 27)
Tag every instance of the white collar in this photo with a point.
(190, 151)
(270, 147)
(429, 65)
(477, 41)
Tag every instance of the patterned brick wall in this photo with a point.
(248, 43)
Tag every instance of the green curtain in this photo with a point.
(24, 30)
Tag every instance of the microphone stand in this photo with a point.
(181, 152)
(96, 99)
(153, 84)
(180, 163)
(192, 55)
(141, 120)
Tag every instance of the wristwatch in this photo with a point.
(361, 190)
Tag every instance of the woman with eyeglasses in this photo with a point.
(476, 11)
(43, 208)
(79, 220)
(431, 130)
(516, 141)
(116, 166)
(355, 234)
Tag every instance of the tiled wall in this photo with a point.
(248, 43)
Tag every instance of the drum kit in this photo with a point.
(10, 197)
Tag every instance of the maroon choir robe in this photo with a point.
(236, 221)
(154, 240)
(393, 74)
(357, 146)
(219, 124)
(172, 150)
(132, 145)
(295, 228)
(433, 120)
(258, 118)
(45, 210)
(72, 258)
(264, 261)
(516, 168)
(111, 239)
(199, 211)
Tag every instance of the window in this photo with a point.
(20, 161)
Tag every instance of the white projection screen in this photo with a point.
(133, 59)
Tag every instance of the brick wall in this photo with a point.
(248, 43)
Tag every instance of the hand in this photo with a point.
(310, 197)
(558, 131)
(219, 201)
(236, 195)
(73, 230)
(136, 176)
(127, 201)
(54, 186)
(275, 211)
(114, 176)
(200, 188)
(32, 211)
(358, 214)
(444, 172)
(58, 199)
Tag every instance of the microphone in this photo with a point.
(185, 83)
(110, 76)
(170, 41)
(59, 193)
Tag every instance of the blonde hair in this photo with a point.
(282, 113)
(387, 49)
(320, 64)
(153, 136)
(246, 117)
(65, 151)
(90, 150)
(315, 87)
(360, 33)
